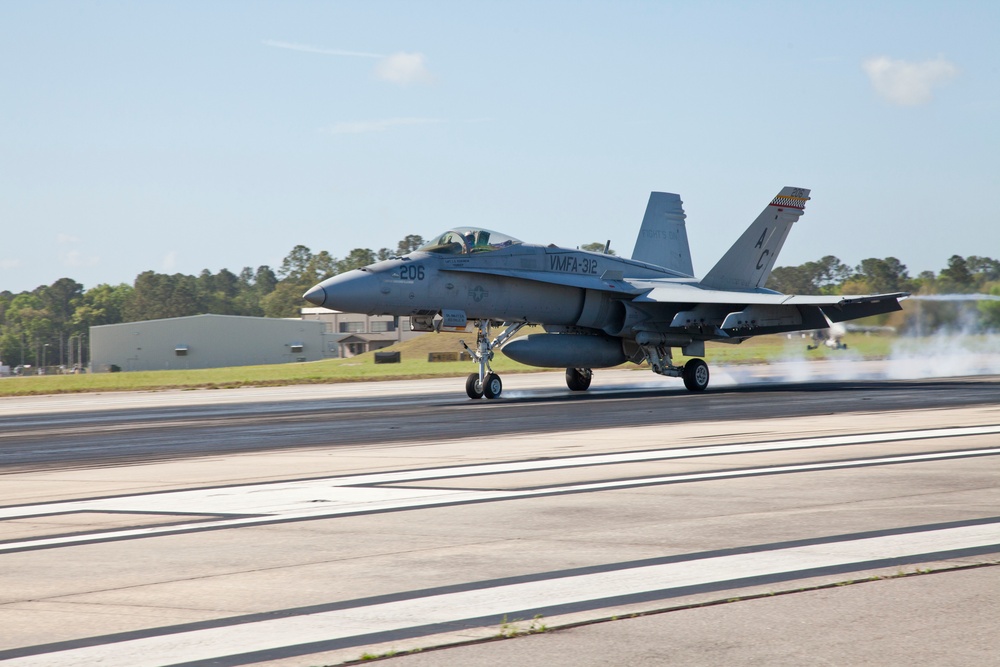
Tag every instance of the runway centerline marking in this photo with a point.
(303, 633)
(276, 502)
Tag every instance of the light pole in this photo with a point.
(71, 351)
(76, 355)
(45, 351)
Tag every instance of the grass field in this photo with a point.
(414, 364)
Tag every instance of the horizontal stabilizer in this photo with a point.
(851, 309)
(662, 239)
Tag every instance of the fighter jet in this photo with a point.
(831, 337)
(597, 310)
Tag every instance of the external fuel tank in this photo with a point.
(566, 351)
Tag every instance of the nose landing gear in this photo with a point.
(486, 382)
(474, 386)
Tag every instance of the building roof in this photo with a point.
(353, 338)
(232, 318)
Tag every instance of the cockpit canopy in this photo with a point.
(466, 240)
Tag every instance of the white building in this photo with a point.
(205, 341)
(351, 334)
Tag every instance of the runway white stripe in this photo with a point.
(337, 496)
(226, 499)
(394, 616)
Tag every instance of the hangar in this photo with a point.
(205, 341)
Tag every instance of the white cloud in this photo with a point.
(73, 257)
(66, 239)
(306, 48)
(363, 126)
(399, 68)
(10, 264)
(170, 260)
(403, 69)
(908, 83)
(76, 259)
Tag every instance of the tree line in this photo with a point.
(962, 275)
(49, 325)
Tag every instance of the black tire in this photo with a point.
(696, 375)
(492, 386)
(472, 386)
(578, 379)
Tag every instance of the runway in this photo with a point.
(105, 429)
(312, 525)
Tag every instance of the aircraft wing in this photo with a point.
(837, 308)
(682, 293)
(685, 293)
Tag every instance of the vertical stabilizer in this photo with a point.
(748, 263)
(663, 238)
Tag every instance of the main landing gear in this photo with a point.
(695, 375)
(694, 372)
(578, 379)
(486, 382)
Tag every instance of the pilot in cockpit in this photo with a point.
(464, 241)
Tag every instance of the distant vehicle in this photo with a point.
(832, 337)
(598, 310)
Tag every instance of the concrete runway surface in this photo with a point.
(636, 524)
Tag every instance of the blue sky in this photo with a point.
(188, 135)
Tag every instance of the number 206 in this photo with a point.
(412, 273)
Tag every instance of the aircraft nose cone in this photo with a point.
(316, 295)
(355, 291)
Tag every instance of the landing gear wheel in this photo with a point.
(696, 375)
(492, 386)
(482, 354)
(473, 387)
(578, 379)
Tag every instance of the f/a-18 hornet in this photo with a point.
(597, 310)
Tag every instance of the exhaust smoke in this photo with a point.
(963, 347)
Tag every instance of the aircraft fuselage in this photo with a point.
(496, 286)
